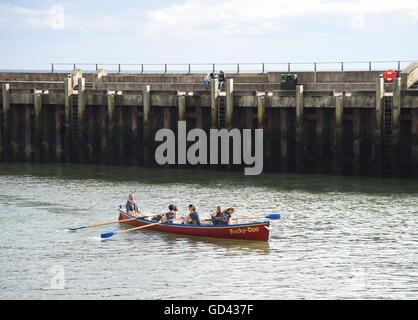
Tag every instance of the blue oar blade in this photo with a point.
(107, 235)
(274, 216)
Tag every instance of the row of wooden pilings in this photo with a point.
(70, 129)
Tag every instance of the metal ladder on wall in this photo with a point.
(74, 127)
(221, 111)
(387, 136)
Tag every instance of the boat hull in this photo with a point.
(254, 231)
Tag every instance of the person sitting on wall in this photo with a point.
(132, 207)
(221, 79)
(208, 79)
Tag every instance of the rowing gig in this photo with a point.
(254, 231)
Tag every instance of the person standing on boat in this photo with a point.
(132, 207)
(215, 216)
(193, 217)
(226, 216)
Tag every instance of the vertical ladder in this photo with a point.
(74, 127)
(387, 136)
(221, 111)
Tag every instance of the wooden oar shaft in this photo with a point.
(146, 226)
(102, 224)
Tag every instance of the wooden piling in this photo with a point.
(396, 126)
(68, 91)
(319, 138)
(6, 118)
(377, 132)
(38, 126)
(58, 137)
(414, 140)
(28, 134)
(81, 112)
(356, 141)
(229, 83)
(214, 93)
(181, 100)
(110, 127)
(135, 136)
(261, 109)
(103, 135)
(337, 143)
(146, 109)
(283, 138)
(299, 128)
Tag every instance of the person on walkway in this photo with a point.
(221, 79)
(207, 80)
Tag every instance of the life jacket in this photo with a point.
(216, 219)
(170, 215)
(131, 206)
(225, 216)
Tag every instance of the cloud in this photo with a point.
(247, 16)
(52, 18)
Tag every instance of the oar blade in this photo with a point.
(274, 216)
(107, 235)
(75, 229)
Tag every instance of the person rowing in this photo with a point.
(215, 216)
(193, 216)
(170, 215)
(132, 207)
(226, 216)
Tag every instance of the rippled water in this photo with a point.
(340, 237)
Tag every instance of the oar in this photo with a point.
(101, 224)
(272, 216)
(111, 234)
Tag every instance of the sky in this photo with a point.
(33, 34)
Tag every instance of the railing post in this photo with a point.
(399, 66)
(370, 66)
(119, 68)
(315, 66)
(142, 68)
(237, 68)
(165, 68)
(190, 69)
(97, 67)
(52, 68)
(288, 67)
(73, 65)
(342, 66)
(262, 68)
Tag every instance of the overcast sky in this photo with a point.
(35, 33)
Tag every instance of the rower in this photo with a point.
(215, 216)
(193, 217)
(171, 214)
(132, 207)
(226, 216)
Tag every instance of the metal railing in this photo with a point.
(237, 68)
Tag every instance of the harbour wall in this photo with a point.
(333, 122)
